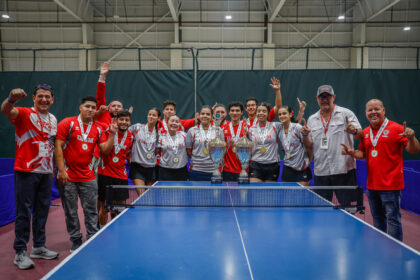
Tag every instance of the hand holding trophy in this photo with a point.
(243, 149)
(217, 149)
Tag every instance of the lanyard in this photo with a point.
(287, 138)
(376, 139)
(264, 135)
(118, 146)
(82, 132)
(328, 122)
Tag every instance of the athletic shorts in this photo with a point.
(291, 175)
(118, 194)
(264, 172)
(230, 177)
(173, 174)
(147, 174)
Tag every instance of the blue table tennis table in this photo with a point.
(238, 243)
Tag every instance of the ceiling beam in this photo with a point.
(369, 9)
(277, 9)
(172, 9)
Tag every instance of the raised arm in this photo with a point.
(100, 87)
(8, 106)
(413, 146)
(302, 107)
(106, 147)
(275, 84)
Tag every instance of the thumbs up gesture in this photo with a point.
(407, 132)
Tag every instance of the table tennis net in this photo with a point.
(236, 196)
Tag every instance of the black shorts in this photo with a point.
(118, 194)
(230, 177)
(291, 175)
(173, 174)
(147, 174)
(344, 197)
(264, 172)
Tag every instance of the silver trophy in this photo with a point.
(243, 149)
(217, 149)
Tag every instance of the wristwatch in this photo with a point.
(11, 101)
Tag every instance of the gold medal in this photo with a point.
(374, 153)
(84, 146)
(263, 149)
(175, 159)
(234, 149)
(115, 159)
(149, 155)
(205, 151)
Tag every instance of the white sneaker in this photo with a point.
(23, 261)
(43, 253)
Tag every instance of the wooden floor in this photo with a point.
(58, 240)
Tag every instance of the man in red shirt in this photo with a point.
(382, 145)
(169, 109)
(74, 146)
(232, 131)
(111, 169)
(35, 131)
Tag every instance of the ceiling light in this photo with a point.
(6, 16)
(407, 28)
(228, 17)
(341, 17)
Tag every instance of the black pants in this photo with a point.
(32, 192)
(345, 197)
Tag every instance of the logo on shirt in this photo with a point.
(385, 133)
(366, 136)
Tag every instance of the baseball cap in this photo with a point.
(325, 88)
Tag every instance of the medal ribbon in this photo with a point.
(235, 137)
(264, 136)
(41, 123)
(328, 122)
(150, 139)
(118, 146)
(173, 144)
(82, 132)
(287, 138)
(375, 141)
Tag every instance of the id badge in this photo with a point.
(324, 143)
(44, 148)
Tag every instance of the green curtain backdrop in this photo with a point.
(398, 89)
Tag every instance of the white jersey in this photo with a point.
(144, 145)
(265, 140)
(197, 140)
(295, 155)
(173, 150)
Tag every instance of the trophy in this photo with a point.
(243, 149)
(217, 149)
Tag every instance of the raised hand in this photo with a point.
(17, 94)
(346, 150)
(302, 105)
(131, 109)
(350, 129)
(113, 126)
(275, 83)
(104, 69)
(305, 129)
(103, 108)
(407, 132)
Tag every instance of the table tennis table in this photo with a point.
(238, 243)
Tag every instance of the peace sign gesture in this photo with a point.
(275, 83)
(302, 105)
(407, 132)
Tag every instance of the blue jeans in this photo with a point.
(385, 209)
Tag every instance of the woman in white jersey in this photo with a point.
(143, 156)
(173, 154)
(297, 161)
(264, 166)
(198, 138)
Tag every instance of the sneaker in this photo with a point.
(76, 244)
(43, 253)
(23, 261)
